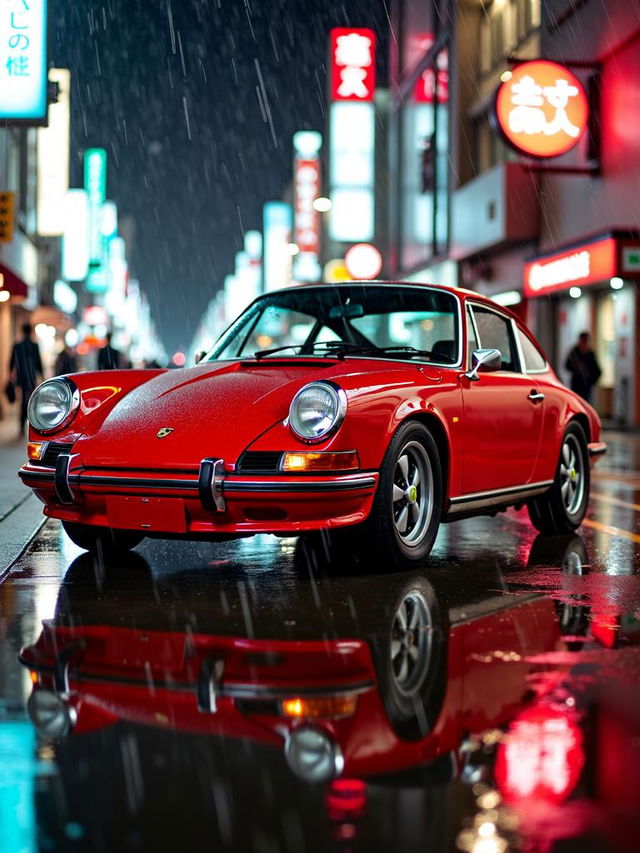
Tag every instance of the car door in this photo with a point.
(503, 411)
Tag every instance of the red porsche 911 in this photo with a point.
(375, 410)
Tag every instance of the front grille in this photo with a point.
(260, 462)
(50, 457)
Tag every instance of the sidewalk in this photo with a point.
(20, 512)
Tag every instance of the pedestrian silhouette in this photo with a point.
(109, 358)
(66, 362)
(583, 366)
(26, 370)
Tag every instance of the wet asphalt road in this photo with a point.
(271, 695)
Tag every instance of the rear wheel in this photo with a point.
(407, 507)
(101, 539)
(563, 507)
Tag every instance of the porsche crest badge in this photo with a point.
(164, 432)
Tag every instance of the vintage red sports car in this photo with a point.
(376, 410)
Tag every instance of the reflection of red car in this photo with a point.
(382, 408)
(357, 705)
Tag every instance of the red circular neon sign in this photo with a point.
(541, 110)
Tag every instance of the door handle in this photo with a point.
(536, 397)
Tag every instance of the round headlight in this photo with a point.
(50, 714)
(316, 410)
(52, 404)
(313, 755)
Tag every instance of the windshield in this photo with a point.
(382, 321)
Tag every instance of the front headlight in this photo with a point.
(316, 410)
(53, 404)
(50, 714)
(313, 755)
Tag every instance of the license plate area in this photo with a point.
(153, 514)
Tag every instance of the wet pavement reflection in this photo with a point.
(268, 695)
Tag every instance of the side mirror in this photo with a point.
(199, 356)
(484, 361)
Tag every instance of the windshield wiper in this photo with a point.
(261, 353)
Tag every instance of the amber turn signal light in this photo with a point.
(320, 461)
(320, 706)
(35, 449)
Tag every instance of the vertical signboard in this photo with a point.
(75, 241)
(353, 69)
(278, 218)
(352, 135)
(95, 183)
(53, 159)
(306, 188)
(23, 61)
(7, 216)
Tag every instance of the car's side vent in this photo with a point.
(260, 461)
(50, 457)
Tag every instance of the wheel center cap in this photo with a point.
(572, 475)
(412, 494)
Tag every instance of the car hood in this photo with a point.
(211, 410)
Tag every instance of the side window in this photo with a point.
(533, 359)
(472, 341)
(495, 333)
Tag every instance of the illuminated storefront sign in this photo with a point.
(23, 61)
(353, 64)
(278, 222)
(53, 159)
(306, 217)
(588, 263)
(541, 109)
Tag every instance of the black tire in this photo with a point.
(410, 657)
(101, 540)
(562, 508)
(406, 511)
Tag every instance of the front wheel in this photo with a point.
(563, 507)
(407, 507)
(104, 540)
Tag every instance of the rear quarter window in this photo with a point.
(534, 361)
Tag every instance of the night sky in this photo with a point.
(170, 89)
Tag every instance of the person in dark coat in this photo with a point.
(66, 362)
(583, 366)
(108, 357)
(26, 370)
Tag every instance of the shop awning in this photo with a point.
(593, 260)
(9, 281)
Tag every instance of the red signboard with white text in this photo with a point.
(541, 109)
(584, 264)
(353, 64)
(307, 189)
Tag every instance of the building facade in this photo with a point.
(467, 209)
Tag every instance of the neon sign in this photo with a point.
(353, 57)
(541, 109)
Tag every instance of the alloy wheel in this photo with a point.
(412, 498)
(571, 474)
(411, 643)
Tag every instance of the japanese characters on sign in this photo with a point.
(6, 217)
(353, 70)
(306, 217)
(541, 109)
(23, 61)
